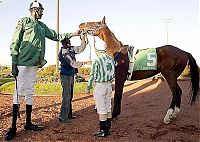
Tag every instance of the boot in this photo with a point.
(29, 125)
(108, 125)
(10, 134)
(12, 131)
(103, 130)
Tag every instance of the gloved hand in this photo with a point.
(83, 37)
(15, 70)
(77, 33)
(88, 91)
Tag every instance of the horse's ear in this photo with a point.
(104, 20)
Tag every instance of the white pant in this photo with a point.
(25, 84)
(102, 96)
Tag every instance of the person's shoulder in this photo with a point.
(109, 56)
(64, 50)
(24, 20)
(41, 23)
(21, 23)
(96, 61)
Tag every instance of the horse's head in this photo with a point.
(101, 30)
(93, 28)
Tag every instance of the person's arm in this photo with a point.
(76, 64)
(16, 40)
(51, 34)
(93, 74)
(81, 48)
(69, 60)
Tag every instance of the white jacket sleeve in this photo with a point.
(76, 64)
(69, 60)
(81, 48)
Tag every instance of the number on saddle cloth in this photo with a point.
(145, 59)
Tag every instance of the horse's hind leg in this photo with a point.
(175, 89)
(178, 102)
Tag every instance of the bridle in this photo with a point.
(98, 27)
(91, 30)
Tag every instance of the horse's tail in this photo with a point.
(194, 74)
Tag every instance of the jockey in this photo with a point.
(102, 74)
(28, 51)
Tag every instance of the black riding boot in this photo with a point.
(108, 125)
(12, 131)
(29, 125)
(103, 129)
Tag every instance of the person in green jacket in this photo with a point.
(28, 51)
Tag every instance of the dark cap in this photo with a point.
(65, 41)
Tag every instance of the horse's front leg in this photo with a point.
(120, 78)
(117, 99)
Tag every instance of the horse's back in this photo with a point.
(171, 58)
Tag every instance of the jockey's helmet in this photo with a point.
(36, 4)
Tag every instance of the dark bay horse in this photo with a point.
(171, 61)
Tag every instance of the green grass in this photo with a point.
(44, 88)
(5, 80)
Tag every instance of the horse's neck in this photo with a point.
(113, 45)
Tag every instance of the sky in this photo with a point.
(138, 23)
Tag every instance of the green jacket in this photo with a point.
(28, 42)
(102, 70)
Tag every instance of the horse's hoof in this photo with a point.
(114, 117)
(168, 116)
(175, 113)
(166, 121)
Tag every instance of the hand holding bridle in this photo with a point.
(83, 36)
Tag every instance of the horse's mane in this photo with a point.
(114, 37)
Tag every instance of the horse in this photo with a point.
(171, 62)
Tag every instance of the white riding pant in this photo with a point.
(102, 96)
(25, 84)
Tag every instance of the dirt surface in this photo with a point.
(144, 106)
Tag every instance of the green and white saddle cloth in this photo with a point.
(145, 59)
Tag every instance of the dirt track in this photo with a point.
(144, 106)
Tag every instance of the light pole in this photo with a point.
(167, 20)
(57, 30)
